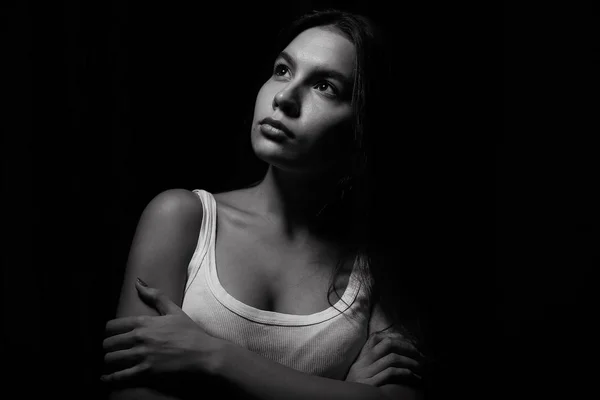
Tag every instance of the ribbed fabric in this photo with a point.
(324, 344)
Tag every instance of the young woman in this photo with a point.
(275, 289)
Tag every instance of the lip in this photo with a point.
(277, 124)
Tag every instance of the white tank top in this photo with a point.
(324, 344)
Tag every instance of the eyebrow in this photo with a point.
(326, 72)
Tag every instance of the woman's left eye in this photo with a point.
(327, 88)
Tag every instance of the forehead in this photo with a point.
(320, 47)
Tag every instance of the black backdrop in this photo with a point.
(109, 103)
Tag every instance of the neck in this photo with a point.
(293, 199)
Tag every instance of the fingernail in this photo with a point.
(141, 282)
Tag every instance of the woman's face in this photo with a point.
(309, 92)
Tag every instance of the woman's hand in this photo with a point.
(143, 347)
(386, 358)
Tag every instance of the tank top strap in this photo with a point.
(205, 236)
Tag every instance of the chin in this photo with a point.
(281, 156)
(275, 161)
(291, 166)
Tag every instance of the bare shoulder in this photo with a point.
(173, 217)
(163, 244)
(180, 204)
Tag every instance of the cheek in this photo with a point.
(331, 138)
(264, 98)
(332, 125)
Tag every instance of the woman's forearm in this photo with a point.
(262, 378)
(188, 386)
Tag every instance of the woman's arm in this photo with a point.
(173, 342)
(388, 357)
(164, 242)
(262, 378)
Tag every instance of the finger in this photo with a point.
(126, 374)
(393, 375)
(395, 361)
(120, 342)
(373, 339)
(157, 299)
(125, 324)
(121, 359)
(399, 345)
(367, 355)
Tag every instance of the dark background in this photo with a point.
(546, 244)
(109, 103)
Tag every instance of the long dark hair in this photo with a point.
(358, 192)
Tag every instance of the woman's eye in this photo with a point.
(280, 70)
(326, 88)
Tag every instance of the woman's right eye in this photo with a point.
(280, 70)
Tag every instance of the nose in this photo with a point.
(287, 101)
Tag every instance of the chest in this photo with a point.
(262, 271)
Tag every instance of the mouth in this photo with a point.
(277, 125)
